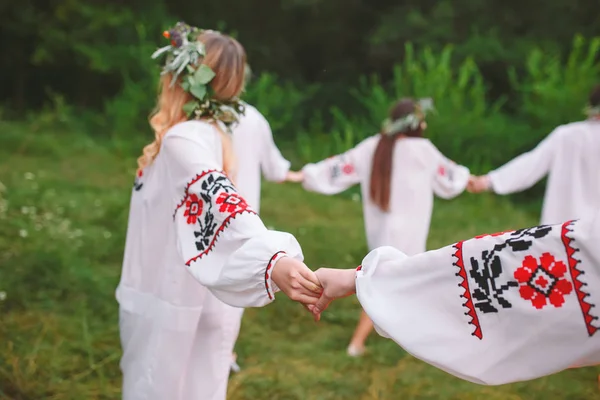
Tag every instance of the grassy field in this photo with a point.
(63, 209)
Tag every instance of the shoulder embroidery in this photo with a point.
(209, 204)
(575, 273)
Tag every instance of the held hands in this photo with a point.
(314, 290)
(335, 283)
(478, 184)
(294, 176)
(297, 281)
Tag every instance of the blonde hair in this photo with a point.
(227, 58)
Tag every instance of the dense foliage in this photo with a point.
(503, 73)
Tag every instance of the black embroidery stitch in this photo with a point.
(210, 187)
(488, 294)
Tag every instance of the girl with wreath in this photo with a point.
(194, 246)
(399, 172)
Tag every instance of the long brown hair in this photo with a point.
(381, 173)
(227, 58)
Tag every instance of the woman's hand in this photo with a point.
(336, 283)
(296, 280)
(294, 176)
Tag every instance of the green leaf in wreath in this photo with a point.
(186, 86)
(198, 91)
(189, 108)
(203, 74)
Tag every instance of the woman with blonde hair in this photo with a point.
(399, 172)
(194, 247)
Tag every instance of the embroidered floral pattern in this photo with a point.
(193, 208)
(231, 203)
(486, 271)
(211, 202)
(542, 282)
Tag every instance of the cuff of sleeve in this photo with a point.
(270, 286)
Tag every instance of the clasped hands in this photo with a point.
(315, 290)
(478, 184)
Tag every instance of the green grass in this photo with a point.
(62, 224)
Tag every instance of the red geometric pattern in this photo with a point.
(543, 281)
(471, 312)
(586, 307)
(193, 208)
(270, 265)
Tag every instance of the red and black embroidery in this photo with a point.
(445, 172)
(464, 283)
(209, 208)
(341, 167)
(576, 272)
(193, 208)
(542, 281)
(137, 183)
(487, 269)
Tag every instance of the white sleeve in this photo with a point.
(336, 174)
(494, 309)
(221, 240)
(526, 170)
(273, 166)
(450, 179)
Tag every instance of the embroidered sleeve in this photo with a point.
(220, 239)
(494, 309)
(333, 175)
(225, 245)
(450, 179)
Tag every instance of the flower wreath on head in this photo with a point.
(409, 121)
(183, 60)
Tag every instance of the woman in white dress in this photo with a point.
(569, 157)
(495, 309)
(193, 242)
(399, 172)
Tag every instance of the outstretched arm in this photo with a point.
(525, 170)
(494, 309)
(340, 172)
